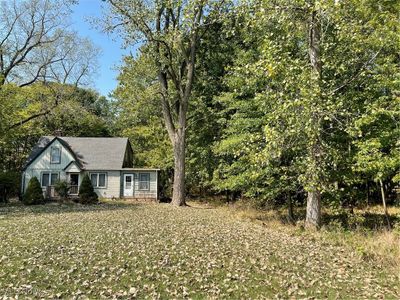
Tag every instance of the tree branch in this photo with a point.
(356, 75)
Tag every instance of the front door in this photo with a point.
(128, 185)
(73, 183)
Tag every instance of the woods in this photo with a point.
(291, 104)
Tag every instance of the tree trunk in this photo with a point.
(290, 210)
(178, 193)
(313, 216)
(384, 204)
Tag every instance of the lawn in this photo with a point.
(127, 250)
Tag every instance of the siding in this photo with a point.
(42, 164)
(113, 184)
(152, 193)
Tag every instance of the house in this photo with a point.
(107, 161)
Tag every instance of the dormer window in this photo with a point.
(55, 155)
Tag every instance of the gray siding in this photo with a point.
(114, 182)
(151, 193)
(112, 189)
(42, 164)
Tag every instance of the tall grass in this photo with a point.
(362, 230)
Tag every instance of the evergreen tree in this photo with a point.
(87, 195)
(34, 193)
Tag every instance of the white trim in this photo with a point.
(49, 181)
(69, 181)
(51, 155)
(129, 192)
(72, 164)
(97, 179)
(144, 181)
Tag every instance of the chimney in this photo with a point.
(58, 132)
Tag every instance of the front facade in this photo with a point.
(107, 161)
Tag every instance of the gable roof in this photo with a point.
(91, 153)
(71, 164)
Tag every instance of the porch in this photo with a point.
(49, 192)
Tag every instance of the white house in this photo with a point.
(107, 161)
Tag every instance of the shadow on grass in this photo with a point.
(366, 220)
(18, 209)
(199, 207)
(343, 220)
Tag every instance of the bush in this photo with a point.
(87, 194)
(34, 193)
(9, 185)
(62, 188)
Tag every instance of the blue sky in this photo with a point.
(111, 47)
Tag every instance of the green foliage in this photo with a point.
(87, 195)
(33, 194)
(79, 112)
(276, 114)
(258, 113)
(139, 114)
(62, 188)
(9, 185)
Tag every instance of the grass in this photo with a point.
(364, 230)
(126, 250)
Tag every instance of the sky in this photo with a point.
(111, 47)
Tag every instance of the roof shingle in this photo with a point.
(93, 153)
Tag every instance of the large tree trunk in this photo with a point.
(176, 126)
(313, 216)
(178, 193)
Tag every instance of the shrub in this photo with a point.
(9, 185)
(62, 188)
(34, 193)
(87, 194)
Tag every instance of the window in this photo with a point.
(144, 181)
(98, 180)
(45, 179)
(128, 182)
(49, 179)
(93, 178)
(55, 155)
(53, 178)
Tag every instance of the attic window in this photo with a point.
(55, 155)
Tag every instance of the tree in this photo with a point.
(139, 116)
(376, 137)
(170, 31)
(62, 189)
(82, 112)
(87, 195)
(9, 185)
(296, 91)
(36, 46)
(33, 194)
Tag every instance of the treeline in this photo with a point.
(292, 101)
